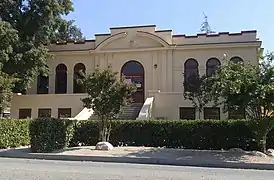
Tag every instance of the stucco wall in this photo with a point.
(51, 101)
(163, 63)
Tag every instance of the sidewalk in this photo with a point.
(145, 155)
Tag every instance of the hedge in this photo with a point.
(47, 135)
(198, 134)
(14, 133)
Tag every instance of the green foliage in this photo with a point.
(85, 134)
(26, 27)
(106, 95)
(6, 85)
(197, 91)
(242, 85)
(14, 133)
(175, 134)
(48, 135)
(197, 134)
(8, 37)
(67, 31)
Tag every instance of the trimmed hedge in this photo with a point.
(48, 135)
(14, 133)
(198, 134)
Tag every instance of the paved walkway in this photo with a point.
(147, 155)
(179, 154)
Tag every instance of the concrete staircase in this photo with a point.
(130, 112)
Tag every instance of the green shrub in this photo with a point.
(86, 133)
(198, 134)
(14, 133)
(270, 140)
(51, 134)
(48, 134)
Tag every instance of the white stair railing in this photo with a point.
(85, 114)
(146, 110)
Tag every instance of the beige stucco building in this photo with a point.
(156, 60)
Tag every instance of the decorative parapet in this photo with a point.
(222, 37)
(164, 35)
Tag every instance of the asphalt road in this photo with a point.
(22, 169)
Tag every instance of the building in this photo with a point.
(156, 60)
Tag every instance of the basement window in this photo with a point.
(211, 113)
(44, 113)
(24, 113)
(187, 113)
(236, 113)
(64, 112)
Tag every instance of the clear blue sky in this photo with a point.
(182, 16)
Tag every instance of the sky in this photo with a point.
(181, 16)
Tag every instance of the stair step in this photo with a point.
(130, 112)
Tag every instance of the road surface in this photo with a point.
(22, 169)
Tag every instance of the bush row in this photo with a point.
(51, 134)
(14, 133)
(46, 135)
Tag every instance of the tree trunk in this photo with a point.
(108, 131)
(262, 144)
(200, 112)
(104, 130)
(265, 125)
(101, 129)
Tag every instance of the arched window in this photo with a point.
(191, 73)
(133, 72)
(78, 70)
(211, 66)
(42, 84)
(61, 79)
(236, 59)
(132, 67)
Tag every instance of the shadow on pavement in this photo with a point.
(192, 155)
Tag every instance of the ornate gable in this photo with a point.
(132, 40)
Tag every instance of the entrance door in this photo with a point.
(133, 72)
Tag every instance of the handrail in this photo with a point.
(84, 114)
(146, 110)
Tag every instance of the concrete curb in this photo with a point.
(139, 160)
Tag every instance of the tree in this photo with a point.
(205, 26)
(251, 87)
(67, 31)
(6, 85)
(8, 38)
(106, 95)
(196, 90)
(35, 23)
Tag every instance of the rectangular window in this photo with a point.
(211, 113)
(64, 112)
(236, 113)
(24, 113)
(42, 113)
(187, 113)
